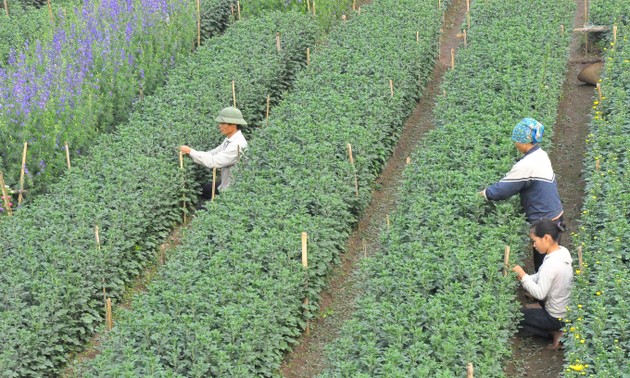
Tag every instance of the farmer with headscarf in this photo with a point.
(532, 178)
(225, 155)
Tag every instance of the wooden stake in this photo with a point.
(391, 87)
(214, 182)
(305, 266)
(308, 56)
(238, 8)
(597, 165)
(467, 6)
(108, 314)
(465, 39)
(68, 156)
(6, 7)
(561, 29)
(267, 116)
(356, 178)
(98, 239)
(506, 261)
(52, 18)
(468, 20)
(408, 161)
(278, 47)
(387, 220)
(181, 166)
(599, 91)
(452, 58)
(5, 196)
(470, 370)
(354, 5)
(581, 265)
(615, 34)
(232, 8)
(314, 8)
(21, 189)
(308, 6)
(234, 93)
(585, 12)
(417, 36)
(359, 11)
(198, 23)
(181, 160)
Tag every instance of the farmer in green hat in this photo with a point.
(226, 155)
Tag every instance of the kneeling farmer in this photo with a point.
(226, 155)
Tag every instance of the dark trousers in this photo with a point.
(537, 321)
(206, 190)
(539, 257)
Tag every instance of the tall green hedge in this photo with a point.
(230, 301)
(435, 296)
(51, 288)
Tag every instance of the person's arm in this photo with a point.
(513, 182)
(539, 284)
(215, 158)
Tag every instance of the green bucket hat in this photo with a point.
(231, 115)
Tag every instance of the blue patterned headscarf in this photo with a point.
(528, 131)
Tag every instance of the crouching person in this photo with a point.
(551, 285)
(225, 155)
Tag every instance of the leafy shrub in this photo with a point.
(51, 289)
(435, 297)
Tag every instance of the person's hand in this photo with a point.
(520, 273)
(185, 149)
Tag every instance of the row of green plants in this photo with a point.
(85, 75)
(597, 329)
(230, 300)
(55, 276)
(608, 13)
(326, 11)
(435, 297)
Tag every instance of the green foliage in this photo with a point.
(51, 289)
(230, 300)
(24, 22)
(435, 298)
(609, 12)
(327, 12)
(598, 343)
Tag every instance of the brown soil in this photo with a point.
(530, 358)
(337, 300)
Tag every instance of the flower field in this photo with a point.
(598, 343)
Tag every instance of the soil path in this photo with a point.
(337, 300)
(530, 358)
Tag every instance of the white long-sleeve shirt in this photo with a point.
(553, 282)
(224, 156)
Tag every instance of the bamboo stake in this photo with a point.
(232, 8)
(314, 8)
(22, 174)
(467, 6)
(470, 371)
(52, 18)
(305, 266)
(6, 7)
(181, 160)
(5, 196)
(408, 161)
(581, 265)
(214, 182)
(391, 87)
(439, 4)
(308, 6)
(238, 8)
(615, 34)
(452, 58)
(597, 165)
(108, 314)
(308, 56)
(198, 23)
(234, 93)
(268, 104)
(359, 11)
(465, 39)
(238, 153)
(417, 36)
(599, 91)
(354, 5)
(561, 29)
(468, 20)
(278, 47)
(181, 166)
(68, 156)
(506, 261)
(387, 220)
(356, 178)
(585, 12)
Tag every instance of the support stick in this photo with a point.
(68, 156)
(391, 87)
(308, 6)
(314, 8)
(354, 5)
(232, 8)
(267, 116)
(98, 239)
(308, 56)
(214, 182)
(468, 20)
(356, 178)
(108, 314)
(408, 161)
(506, 261)
(467, 6)
(238, 8)
(615, 34)
(597, 165)
(599, 91)
(417, 36)
(581, 265)
(181, 166)
(470, 370)
(181, 160)
(465, 39)
(198, 23)
(6, 7)
(234, 93)
(453, 59)
(305, 266)
(22, 173)
(387, 220)
(52, 18)
(561, 29)
(5, 196)
(585, 12)
(278, 47)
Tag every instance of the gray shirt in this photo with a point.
(553, 282)
(224, 156)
